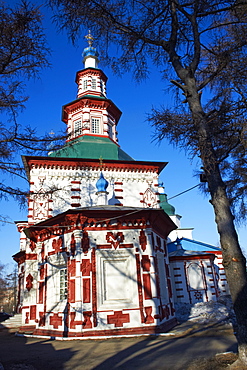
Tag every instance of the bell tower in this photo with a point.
(91, 114)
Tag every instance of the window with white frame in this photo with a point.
(63, 284)
(94, 83)
(95, 125)
(85, 84)
(77, 127)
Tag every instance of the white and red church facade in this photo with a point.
(93, 257)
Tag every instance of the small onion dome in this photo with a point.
(90, 51)
(167, 207)
(101, 184)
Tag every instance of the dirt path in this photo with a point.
(156, 352)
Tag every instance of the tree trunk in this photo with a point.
(233, 260)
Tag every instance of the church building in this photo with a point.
(93, 257)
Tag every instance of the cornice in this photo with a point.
(93, 72)
(91, 164)
(103, 218)
(93, 102)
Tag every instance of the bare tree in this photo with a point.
(8, 289)
(201, 46)
(23, 53)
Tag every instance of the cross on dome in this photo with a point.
(90, 54)
(101, 164)
(89, 38)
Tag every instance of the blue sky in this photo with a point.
(56, 87)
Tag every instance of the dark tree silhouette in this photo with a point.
(23, 53)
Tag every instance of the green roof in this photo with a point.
(92, 147)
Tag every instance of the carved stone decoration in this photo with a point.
(198, 295)
(86, 267)
(145, 263)
(118, 318)
(143, 240)
(85, 242)
(87, 324)
(56, 320)
(114, 239)
(149, 198)
(149, 318)
(41, 205)
(57, 244)
(32, 245)
(29, 282)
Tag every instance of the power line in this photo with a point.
(185, 191)
(7, 222)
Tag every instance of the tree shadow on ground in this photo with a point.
(162, 354)
(19, 352)
(152, 352)
(171, 353)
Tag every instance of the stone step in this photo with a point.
(13, 322)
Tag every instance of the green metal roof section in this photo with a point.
(92, 147)
(167, 207)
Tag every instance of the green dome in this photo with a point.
(167, 207)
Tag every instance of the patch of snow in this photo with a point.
(206, 312)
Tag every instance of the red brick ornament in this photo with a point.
(56, 320)
(29, 280)
(118, 318)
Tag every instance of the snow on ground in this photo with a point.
(206, 312)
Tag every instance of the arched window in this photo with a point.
(195, 276)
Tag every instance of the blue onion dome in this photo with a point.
(102, 183)
(90, 51)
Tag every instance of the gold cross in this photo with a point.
(101, 164)
(89, 38)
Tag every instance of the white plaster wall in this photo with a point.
(30, 297)
(116, 279)
(180, 233)
(210, 280)
(174, 266)
(56, 185)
